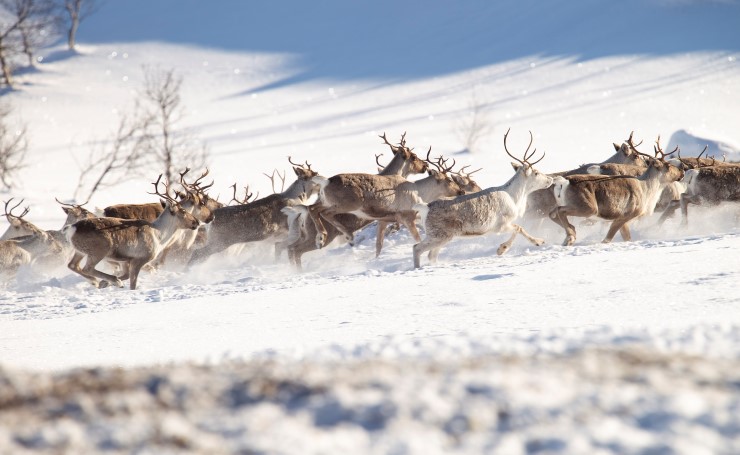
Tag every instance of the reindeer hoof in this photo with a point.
(539, 242)
(319, 241)
(502, 249)
(570, 240)
(102, 284)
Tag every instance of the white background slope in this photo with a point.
(320, 83)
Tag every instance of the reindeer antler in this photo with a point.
(281, 177)
(462, 173)
(9, 213)
(303, 166)
(527, 155)
(377, 161)
(77, 206)
(166, 194)
(659, 151)
(630, 142)
(247, 195)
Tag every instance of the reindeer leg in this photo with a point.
(624, 231)
(615, 226)
(685, 201)
(74, 265)
(408, 219)
(504, 247)
(330, 218)
(380, 236)
(90, 269)
(135, 267)
(315, 214)
(669, 211)
(558, 216)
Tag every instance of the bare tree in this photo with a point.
(13, 148)
(77, 11)
(108, 166)
(13, 13)
(475, 125)
(39, 27)
(174, 148)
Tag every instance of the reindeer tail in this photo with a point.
(423, 210)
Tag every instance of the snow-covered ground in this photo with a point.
(621, 348)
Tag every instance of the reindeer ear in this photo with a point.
(616, 146)
(624, 148)
(164, 203)
(298, 171)
(516, 166)
(66, 210)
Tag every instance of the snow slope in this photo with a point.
(319, 81)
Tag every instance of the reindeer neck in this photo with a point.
(517, 188)
(397, 166)
(165, 225)
(296, 190)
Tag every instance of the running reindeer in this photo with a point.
(130, 242)
(619, 199)
(491, 210)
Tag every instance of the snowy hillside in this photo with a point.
(585, 349)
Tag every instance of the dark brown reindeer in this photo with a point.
(491, 210)
(258, 220)
(130, 242)
(619, 199)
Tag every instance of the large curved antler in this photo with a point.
(9, 213)
(527, 153)
(659, 151)
(166, 194)
(75, 206)
(303, 166)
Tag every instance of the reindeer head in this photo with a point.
(412, 164)
(534, 179)
(627, 153)
(183, 218)
(75, 212)
(465, 182)
(667, 172)
(442, 177)
(195, 199)
(305, 184)
(18, 226)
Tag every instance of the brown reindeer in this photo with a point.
(131, 242)
(491, 210)
(258, 220)
(386, 198)
(302, 236)
(619, 199)
(542, 202)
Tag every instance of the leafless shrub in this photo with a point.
(125, 154)
(173, 147)
(475, 125)
(13, 148)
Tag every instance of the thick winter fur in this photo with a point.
(542, 202)
(617, 198)
(404, 163)
(711, 185)
(148, 212)
(491, 210)
(387, 198)
(259, 220)
(131, 242)
(671, 194)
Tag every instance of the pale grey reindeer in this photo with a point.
(710, 185)
(130, 242)
(259, 220)
(23, 242)
(491, 210)
(619, 199)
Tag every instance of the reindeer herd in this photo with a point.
(187, 226)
